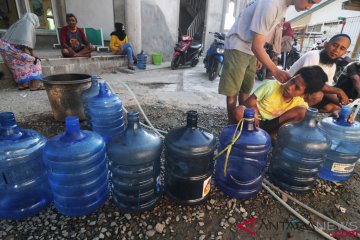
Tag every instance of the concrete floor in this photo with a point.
(184, 88)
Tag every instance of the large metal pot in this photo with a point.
(64, 93)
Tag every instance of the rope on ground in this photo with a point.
(298, 215)
(341, 226)
(140, 108)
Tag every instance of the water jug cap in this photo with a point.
(8, 125)
(133, 120)
(95, 79)
(344, 115)
(103, 89)
(133, 115)
(192, 117)
(7, 119)
(249, 113)
(72, 125)
(312, 111)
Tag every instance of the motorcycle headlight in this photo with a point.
(220, 50)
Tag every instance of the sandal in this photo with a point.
(22, 88)
(39, 88)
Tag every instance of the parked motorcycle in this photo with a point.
(186, 52)
(292, 57)
(319, 44)
(215, 56)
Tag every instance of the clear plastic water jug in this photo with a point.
(240, 175)
(105, 113)
(24, 189)
(77, 167)
(134, 163)
(344, 152)
(189, 162)
(141, 60)
(299, 154)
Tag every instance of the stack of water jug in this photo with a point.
(73, 168)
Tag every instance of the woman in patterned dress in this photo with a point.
(17, 50)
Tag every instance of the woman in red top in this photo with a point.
(73, 40)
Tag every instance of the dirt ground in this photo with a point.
(217, 218)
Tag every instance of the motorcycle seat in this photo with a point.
(195, 45)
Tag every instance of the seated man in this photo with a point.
(277, 104)
(326, 59)
(73, 40)
(349, 80)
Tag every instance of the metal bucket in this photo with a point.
(64, 93)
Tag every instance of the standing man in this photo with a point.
(286, 42)
(247, 38)
(329, 98)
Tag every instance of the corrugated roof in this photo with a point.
(312, 10)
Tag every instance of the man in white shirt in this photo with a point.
(328, 99)
(247, 38)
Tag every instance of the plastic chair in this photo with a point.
(95, 37)
(57, 45)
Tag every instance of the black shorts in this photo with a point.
(324, 101)
(270, 125)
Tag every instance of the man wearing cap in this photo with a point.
(329, 98)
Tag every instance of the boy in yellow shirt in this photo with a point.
(277, 104)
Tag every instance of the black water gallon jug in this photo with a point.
(134, 163)
(189, 162)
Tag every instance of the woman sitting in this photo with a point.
(16, 48)
(73, 40)
(119, 44)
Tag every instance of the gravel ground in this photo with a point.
(217, 218)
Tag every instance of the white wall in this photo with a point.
(93, 13)
(214, 20)
(171, 10)
(159, 24)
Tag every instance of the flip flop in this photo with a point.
(22, 88)
(38, 88)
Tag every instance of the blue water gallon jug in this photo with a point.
(240, 175)
(189, 162)
(89, 93)
(24, 189)
(298, 154)
(134, 163)
(344, 151)
(77, 170)
(105, 113)
(141, 60)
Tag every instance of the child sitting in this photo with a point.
(277, 103)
